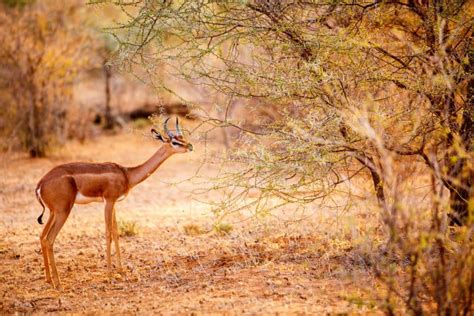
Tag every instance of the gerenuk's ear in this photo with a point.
(157, 135)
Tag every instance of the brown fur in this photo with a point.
(108, 180)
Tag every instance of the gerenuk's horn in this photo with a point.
(165, 127)
(178, 129)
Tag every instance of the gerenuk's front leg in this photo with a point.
(109, 208)
(115, 236)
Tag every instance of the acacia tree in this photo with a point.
(354, 87)
(320, 62)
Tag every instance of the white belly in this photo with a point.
(82, 199)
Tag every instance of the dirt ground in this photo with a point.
(265, 266)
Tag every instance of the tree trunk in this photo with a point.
(34, 140)
(376, 179)
(461, 173)
(460, 170)
(369, 163)
(459, 204)
(108, 118)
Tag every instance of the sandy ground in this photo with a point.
(264, 267)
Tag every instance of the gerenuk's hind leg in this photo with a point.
(44, 251)
(58, 195)
(59, 220)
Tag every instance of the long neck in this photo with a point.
(140, 173)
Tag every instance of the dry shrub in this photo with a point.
(193, 230)
(128, 228)
(428, 265)
(223, 228)
(44, 46)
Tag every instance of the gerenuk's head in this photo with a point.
(176, 140)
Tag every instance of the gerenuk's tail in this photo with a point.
(38, 197)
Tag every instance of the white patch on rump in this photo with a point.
(82, 199)
(38, 192)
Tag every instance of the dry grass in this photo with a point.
(193, 230)
(127, 228)
(181, 260)
(223, 229)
